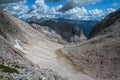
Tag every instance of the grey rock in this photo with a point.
(60, 32)
(106, 25)
(99, 57)
(13, 63)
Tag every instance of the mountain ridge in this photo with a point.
(99, 56)
(110, 20)
(85, 25)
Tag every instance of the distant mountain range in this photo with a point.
(85, 25)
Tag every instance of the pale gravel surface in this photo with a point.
(42, 53)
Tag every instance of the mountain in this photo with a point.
(58, 30)
(15, 63)
(99, 57)
(106, 25)
(54, 49)
(27, 53)
(85, 25)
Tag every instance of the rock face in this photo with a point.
(60, 35)
(14, 66)
(104, 26)
(85, 25)
(99, 57)
(5, 30)
(58, 30)
(14, 63)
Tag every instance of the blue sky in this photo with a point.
(30, 2)
(103, 4)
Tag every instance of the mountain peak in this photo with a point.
(110, 20)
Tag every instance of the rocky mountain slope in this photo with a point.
(85, 25)
(14, 64)
(66, 34)
(98, 57)
(108, 25)
(58, 30)
(27, 54)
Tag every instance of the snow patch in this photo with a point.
(17, 44)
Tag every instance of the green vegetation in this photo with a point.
(8, 69)
(1, 77)
(42, 78)
(16, 66)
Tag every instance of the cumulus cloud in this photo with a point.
(39, 6)
(111, 10)
(73, 3)
(17, 9)
(38, 9)
(83, 14)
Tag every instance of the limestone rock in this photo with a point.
(14, 64)
(99, 57)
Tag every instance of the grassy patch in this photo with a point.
(8, 69)
(17, 66)
(41, 79)
(1, 77)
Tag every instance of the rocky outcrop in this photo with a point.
(9, 27)
(85, 25)
(14, 65)
(59, 30)
(99, 57)
(103, 27)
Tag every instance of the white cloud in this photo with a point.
(83, 14)
(39, 7)
(111, 10)
(76, 13)
(96, 14)
(17, 9)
